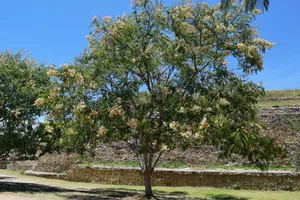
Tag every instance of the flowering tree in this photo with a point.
(22, 80)
(158, 79)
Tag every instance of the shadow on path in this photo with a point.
(99, 194)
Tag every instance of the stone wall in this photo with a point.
(55, 162)
(206, 178)
(3, 164)
(21, 165)
(274, 120)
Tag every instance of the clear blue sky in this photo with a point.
(53, 31)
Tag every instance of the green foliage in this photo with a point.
(21, 81)
(276, 106)
(249, 5)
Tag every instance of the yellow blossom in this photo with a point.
(93, 85)
(52, 72)
(107, 19)
(133, 123)
(80, 106)
(208, 19)
(79, 78)
(224, 102)
(173, 125)
(186, 134)
(101, 131)
(65, 66)
(116, 110)
(52, 95)
(49, 129)
(220, 27)
(196, 108)
(133, 60)
(265, 43)
(204, 123)
(231, 28)
(39, 102)
(256, 11)
(164, 91)
(164, 147)
(71, 131)
(71, 72)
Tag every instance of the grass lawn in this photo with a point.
(178, 165)
(47, 189)
(281, 103)
(282, 93)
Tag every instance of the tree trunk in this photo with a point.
(147, 183)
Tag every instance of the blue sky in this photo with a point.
(53, 31)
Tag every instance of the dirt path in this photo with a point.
(11, 179)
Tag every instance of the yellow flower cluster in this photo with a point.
(183, 12)
(265, 43)
(187, 29)
(186, 134)
(224, 102)
(71, 131)
(116, 110)
(101, 131)
(93, 85)
(80, 106)
(79, 78)
(71, 72)
(133, 123)
(256, 11)
(196, 108)
(52, 95)
(39, 102)
(204, 123)
(107, 19)
(164, 147)
(49, 129)
(220, 27)
(52, 73)
(173, 125)
(164, 91)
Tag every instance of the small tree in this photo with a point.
(22, 80)
(158, 79)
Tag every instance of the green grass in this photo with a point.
(90, 191)
(173, 165)
(284, 103)
(180, 165)
(282, 93)
(250, 167)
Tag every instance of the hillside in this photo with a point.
(280, 98)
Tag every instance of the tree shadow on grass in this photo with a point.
(29, 188)
(6, 178)
(226, 197)
(100, 194)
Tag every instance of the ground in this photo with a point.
(14, 186)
